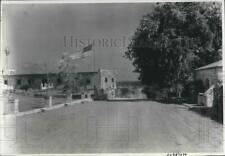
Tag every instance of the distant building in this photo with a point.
(4, 85)
(209, 74)
(86, 84)
(130, 89)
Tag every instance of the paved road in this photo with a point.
(143, 126)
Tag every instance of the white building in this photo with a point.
(209, 75)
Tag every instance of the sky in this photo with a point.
(36, 35)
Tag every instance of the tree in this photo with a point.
(175, 39)
(67, 72)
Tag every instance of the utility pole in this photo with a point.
(93, 59)
(7, 52)
(47, 78)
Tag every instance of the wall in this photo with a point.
(211, 74)
(84, 81)
(32, 80)
(87, 81)
(107, 79)
(88, 94)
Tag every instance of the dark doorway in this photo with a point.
(44, 81)
(207, 84)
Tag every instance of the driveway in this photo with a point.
(100, 126)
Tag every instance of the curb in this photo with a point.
(52, 107)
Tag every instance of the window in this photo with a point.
(5, 82)
(30, 81)
(59, 81)
(86, 96)
(44, 81)
(88, 81)
(106, 80)
(207, 84)
(19, 82)
(112, 79)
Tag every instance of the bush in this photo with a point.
(150, 92)
(124, 91)
(191, 90)
(217, 109)
(100, 96)
(40, 95)
(59, 96)
(76, 96)
(25, 87)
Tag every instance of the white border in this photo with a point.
(99, 1)
(4, 2)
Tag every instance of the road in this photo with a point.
(101, 126)
(28, 102)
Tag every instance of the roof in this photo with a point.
(211, 65)
(41, 74)
(129, 83)
(55, 73)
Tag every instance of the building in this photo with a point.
(86, 84)
(210, 74)
(130, 89)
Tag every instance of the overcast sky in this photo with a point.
(38, 34)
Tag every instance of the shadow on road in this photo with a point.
(206, 112)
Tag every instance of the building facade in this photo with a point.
(86, 84)
(210, 74)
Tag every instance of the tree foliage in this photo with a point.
(175, 39)
(67, 72)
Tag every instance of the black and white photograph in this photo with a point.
(99, 77)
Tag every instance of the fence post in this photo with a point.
(71, 98)
(16, 106)
(50, 101)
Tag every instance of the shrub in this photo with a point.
(59, 96)
(150, 92)
(76, 96)
(191, 90)
(124, 92)
(217, 109)
(25, 87)
(100, 96)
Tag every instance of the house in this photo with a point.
(209, 75)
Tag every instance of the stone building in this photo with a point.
(86, 84)
(30, 81)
